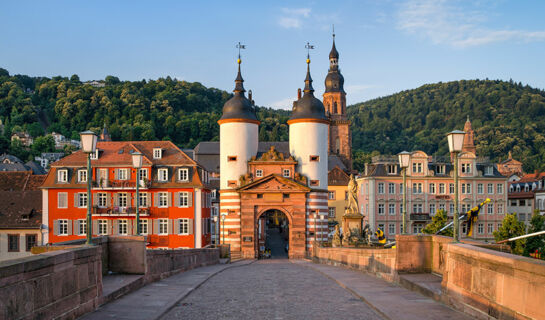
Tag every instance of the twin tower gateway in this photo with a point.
(258, 180)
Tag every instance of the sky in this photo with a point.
(385, 46)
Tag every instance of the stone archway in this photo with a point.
(272, 233)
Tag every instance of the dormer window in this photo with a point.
(82, 176)
(488, 170)
(62, 176)
(417, 167)
(441, 169)
(122, 174)
(259, 173)
(392, 169)
(162, 174)
(183, 174)
(286, 173)
(157, 153)
(94, 155)
(466, 167)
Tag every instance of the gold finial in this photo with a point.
(308, 46)
(239, 61)
(240, 46)
(308, 61)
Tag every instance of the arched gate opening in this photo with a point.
(273, 233)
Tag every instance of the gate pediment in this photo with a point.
(274, 183)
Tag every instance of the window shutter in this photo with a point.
(129, 174)
(95, 199)
(149, 200)
(156, 199)
(108, 200)
(56, 227)
(169, 199)
(170, 231)
(109, 227)
(129, 199)
(177, 226)
(116, 174)
(169, 174)
(76, 227)
(95, 227)
(116, 229)
(156, 226)
(190, 221)
(190, 199)
(190, 174)
(69, 227)
(116, 200)
(76, 200)
(176, 199)
(129, 226)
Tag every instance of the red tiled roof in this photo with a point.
(20, 181)
(531, 177)
(20, 209)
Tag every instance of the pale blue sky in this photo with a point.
(385, 46)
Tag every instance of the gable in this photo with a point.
(274, 183)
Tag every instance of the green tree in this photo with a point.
(438, 221)
(537, 223)
(511, 227)
(43, 144)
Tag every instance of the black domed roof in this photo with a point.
(308, 107)
(239, 107)
(333, 54)
(334, 81)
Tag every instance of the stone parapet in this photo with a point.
(164, 263)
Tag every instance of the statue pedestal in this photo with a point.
(352, 222)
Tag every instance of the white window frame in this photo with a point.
(163, 227)
(418, 208)
(417, 167)
(488, 170)
(163, 199)
(184, 199)
(184, 227)
(123, 174)
(82, 176)
(331, 195)
(144, 226)
(466, 167)
(62, 176)
(391, 188)
(392, 209)
(331, 212)
(441, 169)
(162, 174)
(480, 188)
(102, 227)
(451, 188)
(286, 173)
(102, 199)
(63, 227)
(480, 228)
(258, 173)
(490, 188)
(65, 195)
(490, 208)
(143, 200)
(380, 209)
(143, 174)
(157, 153)
(122, 195)
(432, 209)
(499, 188)
(380, 188)
(82, 227)
(442, 188)
(490, 228)
(391, 228)
(123, 227)
(499, 208)
(183, 174)
(82, 200)
(432, 188)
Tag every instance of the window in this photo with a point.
(432, 188)
(331, 195)
(392, 169)
(442, 188)
(381, 226)
(231, 158)
(490, 188)
(259, 173)
(500, 208)
(143, 174)
(157, 153)
(30, 240)
(314, 158)
(441, 169)
(490, 228)
(526, 188)
(466, 167)
(499, 226)
(62, 176)
(464, 228)
(465, 208)
(490, 208)
(81, 200)
(391, 188)
(417, 228)
(184, 199)
(143, 200)
(488, 170)
(122, 174)
(102, 200)
(232, 183)
(499, 188)
(480, 188)
(417, 167)
(391, 229)
(432, 209)
(82, 230)
(63, 227)
(314, 183)
(122, 200)
(401, 208)
(163, 199)
(450, 208)
(163, 226)
(381, 208)
(331, 212)
(13, 243)
(144, 226)
(513, 203)
(480, 228)
(162, 174)
(122, 227)
(184, 226)
(286, 173)
(82, 176)
(381, 188)
(62, 200)
(442, 206)
(466, 188)
(183, 174)
(417, 208)
(451, 188)
(522, 216)
(417, 188)
(94, 155)
(401, 189)
(392, 209)
(102, 227)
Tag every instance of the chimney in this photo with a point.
(298, 93)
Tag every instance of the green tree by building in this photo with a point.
(536, 243)
(511, 227)
(438, 221)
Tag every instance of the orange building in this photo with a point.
(174, 196)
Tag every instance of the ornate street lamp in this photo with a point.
(88, 145)
(404, 159)
(137, 163)
(216, 230)
(455, 143)
(223, 215)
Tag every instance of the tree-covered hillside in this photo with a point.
(505, 116)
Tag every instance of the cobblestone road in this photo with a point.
(271, 289)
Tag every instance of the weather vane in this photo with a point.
(333, 30)
(309, 47)
(240, 46)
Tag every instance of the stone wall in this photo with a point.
(378, 261)
(413, 253)
(127, 254)
(60, 284)
(498, 284)
(163, 263)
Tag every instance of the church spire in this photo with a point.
(308, 79)
(239, 87)
(469, 138)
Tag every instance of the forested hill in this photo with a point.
(505, 116)
(166, 108)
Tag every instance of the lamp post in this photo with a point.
(404, 158)
(137, 163)
(455, 143)
(88, 145)
(223, 221)
(217, 229)
(322, 218)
